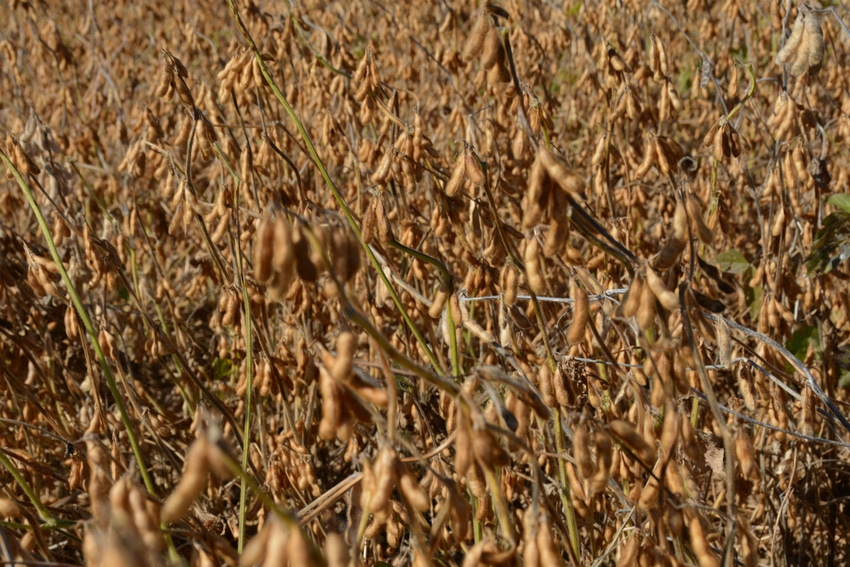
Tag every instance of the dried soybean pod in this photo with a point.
(385, 477)
(436, 308)
(488, 453)
(343, 365)
(749, 545)
(631, 301)
(562, 391)
(544, 383)
(556, 237)
(382, 224)
(646, 310)
(789, 171)
(537, 198)
(670, 429)
(581, 451)
(164, 78)
(724, 342)
(604, 458)
(708, 141)
(303, 263)
(675, 99)
(743, 379)
(411, 489)
(804, 49)
(367, 228)
(798, 158)
(746, 454)
(649, 494)
(475, 42)
(663, 63)
(560, 173)
(671, 252)
(581, 314)
(633, 107)
(463, 443)
(331, 405)
(72, 328)
(360, 71)
(732, 87)
(550, 553)
(680, 222)
(628, 436)
(533, 270)
(734, 142)
(382, 172)
(666, 298)
(653, 58)
(510, 284)
(191, 484)
(789, 51)
(664, 105)
(499, 73)
(418, 138)
(493, 50)
(615, 61)
(530, 551)
(778, 222)
(473, 169)
(811, 45)
(648, 160)
(695, 211)
(263, 251)
(457, 177)
(660, 157)
(629, 553)
(699, 544)
(599, 152)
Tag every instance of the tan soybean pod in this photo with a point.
(648, 160)
(458, 175)
(436, 308)
(537, 197)
(695, 211)
(581, 451)
(533, 269)
(581, 314)
(628, 436)
(646, 308)
(667, 299)
(566, 178)
(191, 484)
(463, 443)
(631, 301)
(475, 42)
(473, 169)
(789, 51)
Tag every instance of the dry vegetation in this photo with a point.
(365, 282)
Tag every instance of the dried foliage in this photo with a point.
(433, 284)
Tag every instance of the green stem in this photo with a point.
(566, 500)
(246, 433)
(447, 281)
(42, 510)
